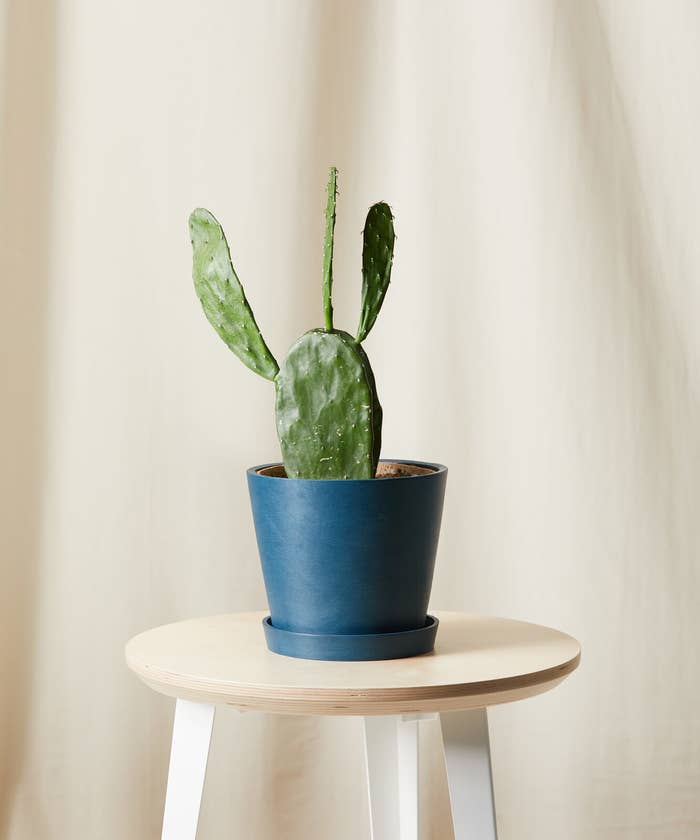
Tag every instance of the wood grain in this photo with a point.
(478, 661)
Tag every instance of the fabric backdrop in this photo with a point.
(539, 337)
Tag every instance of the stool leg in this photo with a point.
(382, 781)
(408, 755)
(465, 737)
(188, 766)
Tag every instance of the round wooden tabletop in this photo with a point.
(478, 661)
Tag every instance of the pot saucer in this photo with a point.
(352, 648)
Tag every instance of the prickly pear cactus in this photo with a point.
(329, 420)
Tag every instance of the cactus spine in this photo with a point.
(328, 415)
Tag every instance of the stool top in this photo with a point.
(478, 661)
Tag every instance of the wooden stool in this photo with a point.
(478, 662)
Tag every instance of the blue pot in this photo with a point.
(348, 560)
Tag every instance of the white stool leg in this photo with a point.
(465, 737)
(188, 766)
(408, 755)
(382, 782)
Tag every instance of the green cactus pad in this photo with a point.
(377, 257)
(328, 415)
(222, 297)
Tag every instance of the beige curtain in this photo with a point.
(540, 338)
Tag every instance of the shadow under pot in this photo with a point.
(348, 564)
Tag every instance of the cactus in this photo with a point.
(328, 416)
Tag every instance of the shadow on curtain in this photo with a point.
(25, 190)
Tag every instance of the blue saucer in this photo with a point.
(354, 648)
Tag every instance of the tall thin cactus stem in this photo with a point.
(328, 248)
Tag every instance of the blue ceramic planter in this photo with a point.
(348, 564)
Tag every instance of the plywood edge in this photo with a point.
(352, 701)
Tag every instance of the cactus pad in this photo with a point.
(377, 257)
(222, 297)
(328, 415)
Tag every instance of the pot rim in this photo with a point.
(435, 470)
